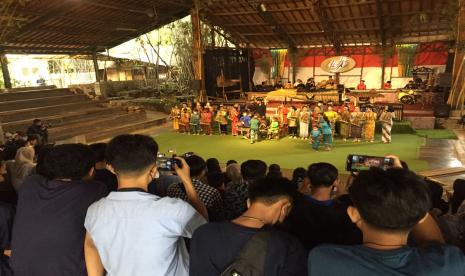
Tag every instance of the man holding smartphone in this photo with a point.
(131, 232)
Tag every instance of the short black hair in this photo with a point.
(270, 189)
(32, 138)
(216, 179)
(274, 170)
(131, 154)
(42, 152)
(99, 151)
(322, 174)
(394, 200)
(71, 161)
(213, 165)
(196, 164)
(253, 169)
(231, 162)
(35, 121)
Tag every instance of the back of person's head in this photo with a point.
(197, 165)
(213, 165)
(298, 177)
(233, 172)
(32, 139)
(322, 174)
(436, 192)
(274, 170)
(231, 162)
(99, 151)
(459, 195)
(253, 169)
(42, 152)
(269, 190)
(391, 201)
(131, 155)
(69, 161)
(37, 121)
(216, 180)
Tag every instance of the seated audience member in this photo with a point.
(216, 180)
(42, 152)
(215, 246)
(31, 141)
(12, 146)
(235, 196)
(274, 171)
(39, 130)
(48, 236)
(388, 206)
(131, 232)
(101, 173)
(387, 85)
(288, 85)
(6, 223)
(210, 196)
(231, 162)
(22, 167)
(438, 205)
(160, 185)
(458, 197)
(279, 85)
(317, 218)
(362, 85)
(233, 174)
(300, 180)
(212, 165)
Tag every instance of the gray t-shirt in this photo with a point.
(137, 233)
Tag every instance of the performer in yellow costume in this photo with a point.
(370, 122)
(332, 116)
(175, 116)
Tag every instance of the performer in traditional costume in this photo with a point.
(344, 121)
(244, 128)
(386, 119)
(206, 121)
(175, 115)
(273, 130)
(356, 119)
(304, 119)
(222, 120)
(234, 116)
(332, 116)
(370, 123)
(316, 114)
(195, 122)
(316, 137)
(325, 126)
(185, 121)
(282, 116)
(292, 122)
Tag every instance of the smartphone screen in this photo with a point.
(165, 164)
(364, 162)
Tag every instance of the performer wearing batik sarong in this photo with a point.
(344, 121)
(222, 120)
(316, 116)
(185, 121)
(356, 119)
(304, 118)
(386, 119)
(370, 123)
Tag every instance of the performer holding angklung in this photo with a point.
(234, 115)
(273, 130)
(221, 119)
(333, 117)
(206, 121)
(316, 114)
(292, 122)
(386, 119)
(370, 123)
(304, 119)
(175, 115)
(345, 123)
(356, 118)
(282, 115)
(185, 120)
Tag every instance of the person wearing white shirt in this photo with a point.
(131, 232)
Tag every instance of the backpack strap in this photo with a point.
(256, 248)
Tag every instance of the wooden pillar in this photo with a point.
(94, 58)
(337, 48)
(458, 73)
(5, 71)
(383, 64)
(197, 49)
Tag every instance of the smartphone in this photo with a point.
(167, 163)
(188, 154)
(355, 163)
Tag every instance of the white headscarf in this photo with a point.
(23, 166)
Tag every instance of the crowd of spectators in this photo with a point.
(75, 209)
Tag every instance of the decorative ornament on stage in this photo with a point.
(338, 64)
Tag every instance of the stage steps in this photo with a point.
(74, 117)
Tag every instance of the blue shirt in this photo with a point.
(246, 121)
(326, 128)
(329, 260)
(137, 233)
(315, 133)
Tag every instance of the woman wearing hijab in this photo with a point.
(22, 167)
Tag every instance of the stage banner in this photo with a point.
(338, 64)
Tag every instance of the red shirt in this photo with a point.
(361, 86)
(387, 86)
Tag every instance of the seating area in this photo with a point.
(70, 116)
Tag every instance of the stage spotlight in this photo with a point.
(263, 7)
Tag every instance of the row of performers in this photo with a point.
(349, 121)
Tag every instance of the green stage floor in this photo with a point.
(290, 153)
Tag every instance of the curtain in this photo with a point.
(279, 58)
(406, 55)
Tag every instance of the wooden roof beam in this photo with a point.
(328, 28)
(379, 13)
(210, 16)
(116, 6)
(277, 28)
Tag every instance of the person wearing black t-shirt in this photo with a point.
(214, 246)
(48, 231)
(388, 207)
(317, 218)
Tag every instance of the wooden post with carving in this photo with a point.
(5, 71)
(197, 49)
